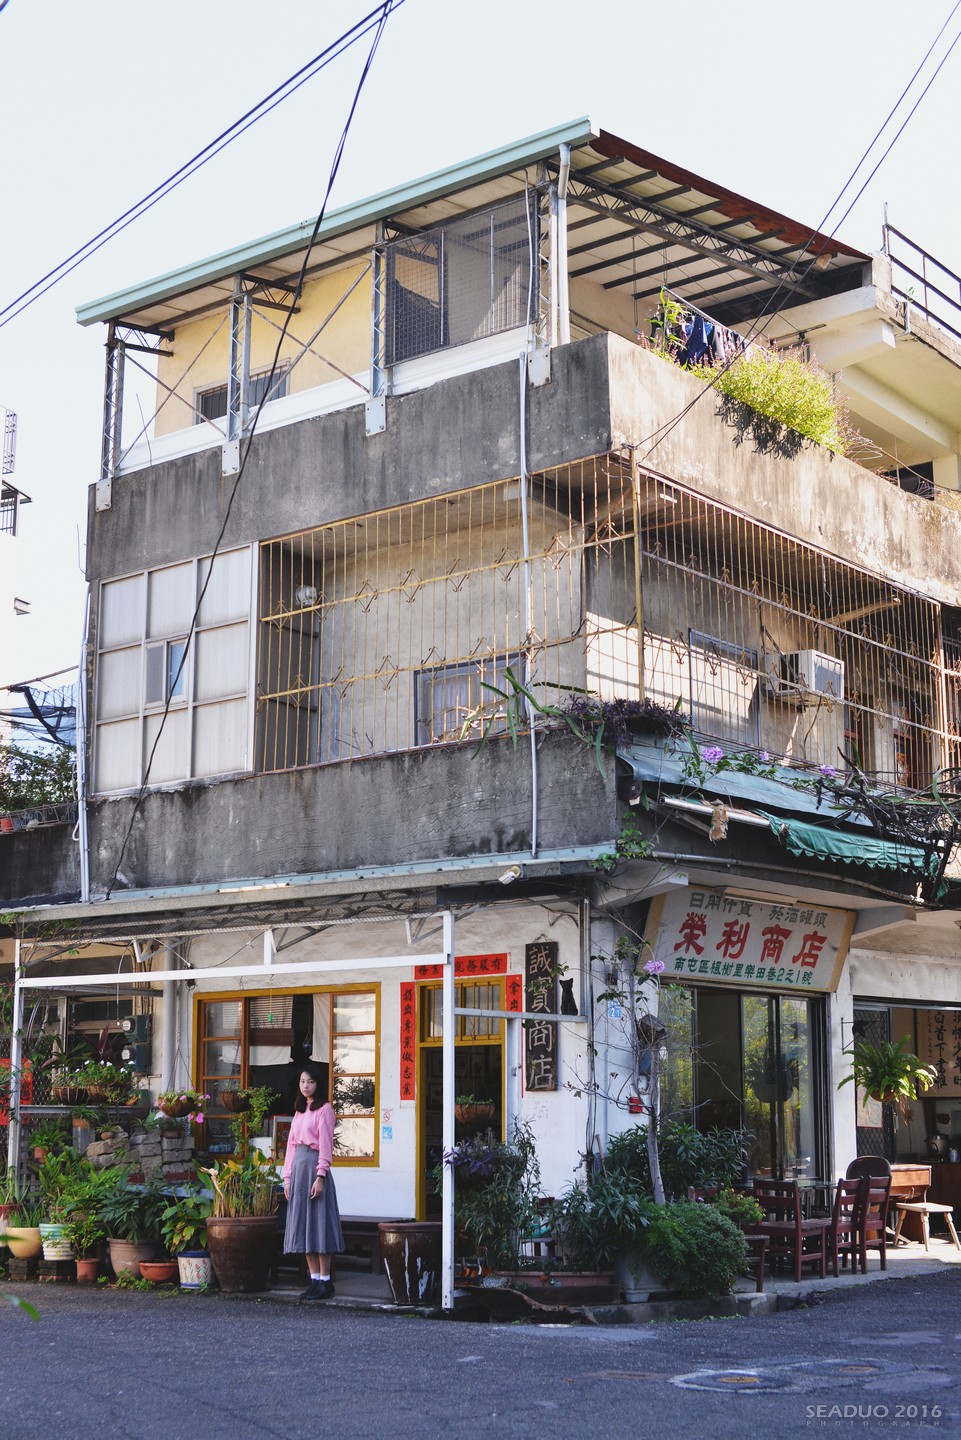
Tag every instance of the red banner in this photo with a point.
(465, 967)
(26, 1088)
(408, 1040)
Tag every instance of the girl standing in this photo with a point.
(313, 1219)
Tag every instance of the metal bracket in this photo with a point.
(231, 457)
(375, 415)
(539, 365)
(103, 493)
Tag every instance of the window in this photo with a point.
(147, 668)
(459, 282)
(264, 1039)
(212, 404)
(450, 697)
(724, 684)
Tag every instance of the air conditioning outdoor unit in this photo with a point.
(805, 676)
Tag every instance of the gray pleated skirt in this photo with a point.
(313, 1226)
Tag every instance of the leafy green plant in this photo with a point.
(252, 1120)
(183, 1224)
(706, 1161)
(30, 778)
(788, 389)
(85, 1231)
(244, 1185)
(50, 1135)
(596, 1221)
(695, 1248)
(496, 1212)
(888, 1070)
(131, 1212)
(742, 1209)
(185, 1103)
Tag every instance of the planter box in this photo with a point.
(560, 1287)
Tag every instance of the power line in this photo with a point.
(385, 10)
(767, 313)
(282, 92)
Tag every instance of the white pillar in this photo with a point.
(447, 1132)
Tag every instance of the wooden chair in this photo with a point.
(789, 1236)
(874, 1219)
(844, 1236)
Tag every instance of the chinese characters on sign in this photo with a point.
(408, 1041)
(540, 1036)
(465, 967)
(939, 1044)
(708, 935)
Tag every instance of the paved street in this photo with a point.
(878, 1360)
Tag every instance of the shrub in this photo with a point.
(694, 1248)
(709, 1160)
(595, 1223)
(788, 389)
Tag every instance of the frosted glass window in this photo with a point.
(223, 662)
(118, 684)
(354, 1136)
(228, 594)
(354, 1012)
(171, 762)
(220, 738)
(118, 755)
(121, 611)
(172, 601)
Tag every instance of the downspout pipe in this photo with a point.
(82, 833)
(528, 594)
(563, 300)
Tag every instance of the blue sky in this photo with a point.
(100, 102)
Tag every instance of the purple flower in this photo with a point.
(713, 754)
(828, 771)
(765, 758)
(654, 967)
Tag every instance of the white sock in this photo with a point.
(315, 1275)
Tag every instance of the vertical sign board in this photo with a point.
(939, 1044)
(408, 1041)
(540, 1036)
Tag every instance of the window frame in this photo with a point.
(463, 669)
(257, 381)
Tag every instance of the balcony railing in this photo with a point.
(923, 281)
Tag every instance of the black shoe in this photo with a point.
(324, 1291)
(312, 1292)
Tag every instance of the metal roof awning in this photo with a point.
(635, 222)
(816, 842)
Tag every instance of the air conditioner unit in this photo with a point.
(805, 676)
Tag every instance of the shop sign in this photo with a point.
(721, 939)
(939, 1044)
(540, 1036)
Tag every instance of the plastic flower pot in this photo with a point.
(195, 1269)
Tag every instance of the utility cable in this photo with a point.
(257, 112)
(791, 281)
(385, 10)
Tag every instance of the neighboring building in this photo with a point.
(466, 468)
(12, 603)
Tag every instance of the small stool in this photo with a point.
(925, 1208)
(757, 1258)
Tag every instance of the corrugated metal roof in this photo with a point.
(635, 222)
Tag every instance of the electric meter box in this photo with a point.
(137, 1057)
(136, 1027)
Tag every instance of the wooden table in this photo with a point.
(909, 1182)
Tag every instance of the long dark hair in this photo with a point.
(315, 1071)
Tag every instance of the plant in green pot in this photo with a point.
(242, 1230)
(596, 1224)
(86, 1234)
(888, 1071)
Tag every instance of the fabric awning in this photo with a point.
(817, 842)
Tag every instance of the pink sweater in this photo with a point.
(314, 1128)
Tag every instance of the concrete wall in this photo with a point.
(39, 866)
(422, 805)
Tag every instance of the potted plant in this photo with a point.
(693, 1249)
(131, 1215)
(24, 1239)
(242, 1229)
(86, 1233)
(473, 1113)
(183, 1230)
(182, 1104)
(250, 1107)
(496, 1195)
(48, 1138)
(887, 1071)
(233, 1099)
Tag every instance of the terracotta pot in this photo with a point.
(236, 1104)
(87, 1271)
(475, 1115)
(195, 1269)
(886, 1097)
(242, 1250)
(24, 1240)
(128, 1254)
(6, 824)
(159, 1272)
(412, 1259)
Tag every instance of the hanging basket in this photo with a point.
(475, 1115)
(233, 1101)
(175, 1109)
(68, 1094)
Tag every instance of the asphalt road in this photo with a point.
(881, 1360)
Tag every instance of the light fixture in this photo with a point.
(512, 873)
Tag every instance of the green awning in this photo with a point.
(819, 843)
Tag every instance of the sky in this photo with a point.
(102, 101)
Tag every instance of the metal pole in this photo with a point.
(16, 1060)
(447, 1132)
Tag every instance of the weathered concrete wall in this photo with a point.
(824, 499)
(459, 432)
(399, 809)
(39, 866)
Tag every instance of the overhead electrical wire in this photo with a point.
(383, 12)
(792, 280)
(282, 92)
